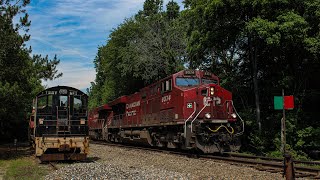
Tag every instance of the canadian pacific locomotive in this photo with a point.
(58, 124)
(187, 110)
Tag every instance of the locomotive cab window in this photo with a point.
(77, 104)
(209, 81)
(187, 81)
(63, 101)
(44, 104)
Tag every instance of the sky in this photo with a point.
(73, 30)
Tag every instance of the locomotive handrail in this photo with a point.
(52, 120)
(122, 120)
(185, 122)
(240, 133)
(47, 123)
(62, 135)
(53, 128)
(205, 105)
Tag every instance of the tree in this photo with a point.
(20, 75)
(152, 7)
(172, 10)
(141, 50)
(266, 44)
(255, 47)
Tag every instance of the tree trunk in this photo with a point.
(253, 59)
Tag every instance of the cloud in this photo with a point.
(75, 74)
(73, 30)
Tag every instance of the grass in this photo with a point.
(23, 168)
(19, 163)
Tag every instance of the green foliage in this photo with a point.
(256, 48)
(20, 75)
(282, 39)
(172, 10)
(298, 155)
(147, 47)
(152, 7)
(308, 138)
(265, 30)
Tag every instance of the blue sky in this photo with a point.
(73, 29)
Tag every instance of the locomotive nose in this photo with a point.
(208, 91)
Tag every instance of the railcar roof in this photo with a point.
(174, 75)
(121, 99)
(61, 87)
(104, 107)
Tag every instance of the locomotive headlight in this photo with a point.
(41, 120)
(82, 121)
(233, 115)
(212, 91)
(207, 115)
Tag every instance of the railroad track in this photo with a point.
(274, 165)
(53, 166)
(268, 165)
(273, 159)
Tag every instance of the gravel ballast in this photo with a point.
(122, 163)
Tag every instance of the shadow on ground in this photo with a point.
(10, 151)
(92, 159)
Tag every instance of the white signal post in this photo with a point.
(283, 127)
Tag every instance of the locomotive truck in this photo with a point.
(186, 110)
(59, 124)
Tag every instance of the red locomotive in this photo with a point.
(187, 110)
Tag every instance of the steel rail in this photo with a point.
(53, 166)
(272, 159)
(277, 165)
(273, 165)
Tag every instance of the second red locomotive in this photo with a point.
(187, 110)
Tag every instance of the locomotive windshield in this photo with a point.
(79, 105)
(63, 101)
(209, 81)
(183, 81)
(44, 104)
